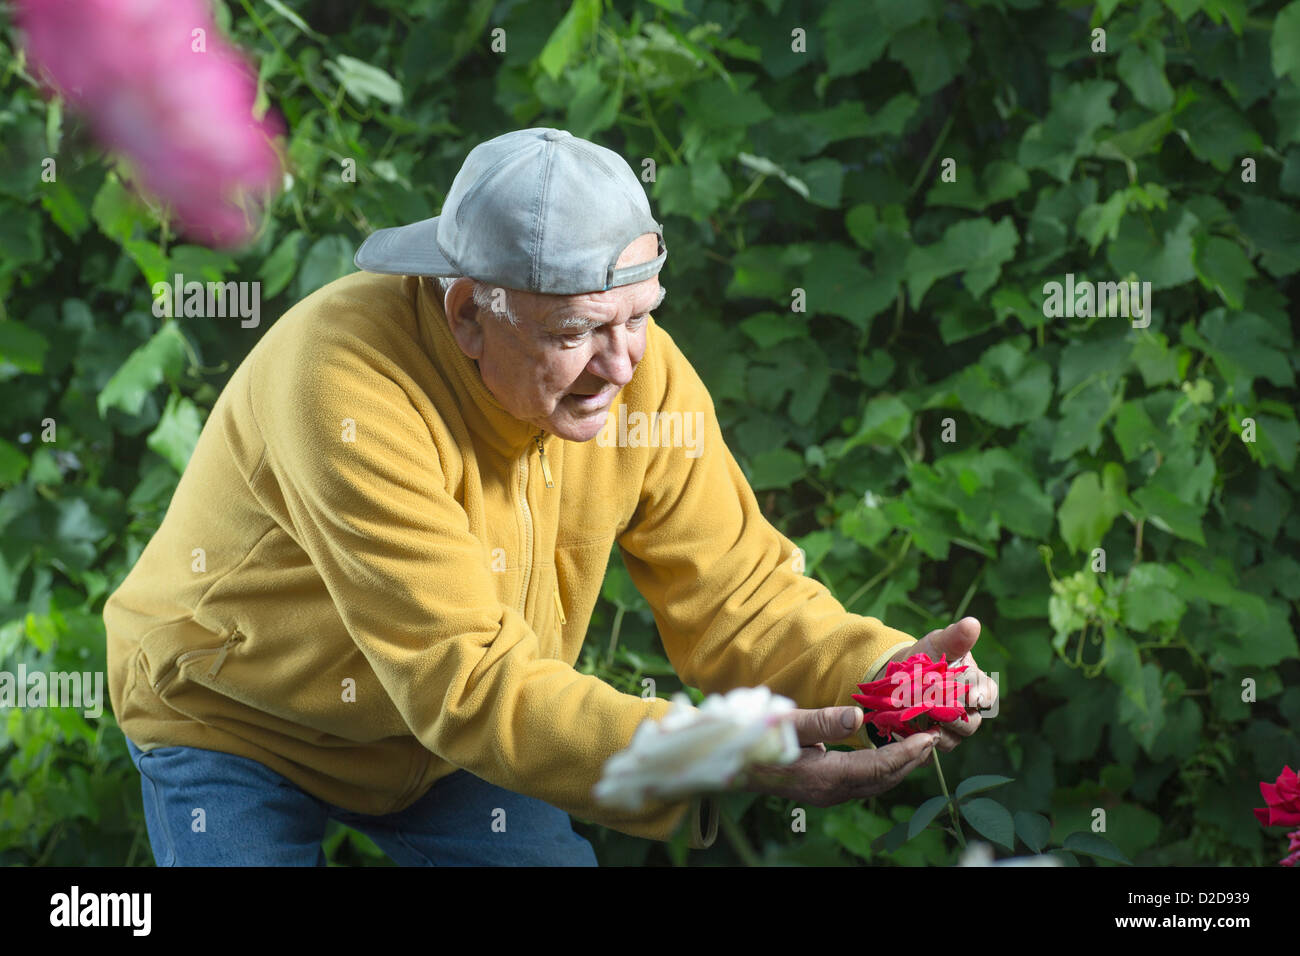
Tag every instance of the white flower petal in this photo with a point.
(698, 749)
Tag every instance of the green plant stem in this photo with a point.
(952, 805)
(613, 635)
(970, 593)
(934, 151)
(883, 573)
(739, 842)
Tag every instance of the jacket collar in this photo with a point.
(486, 417)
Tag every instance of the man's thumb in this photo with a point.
(955, 640)
(826, 724)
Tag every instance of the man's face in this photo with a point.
(571, 354)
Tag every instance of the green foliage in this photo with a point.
(1114, 503)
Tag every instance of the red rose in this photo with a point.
(1294, 858)
(911, 688)
(1283, 799)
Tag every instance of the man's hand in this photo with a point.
(823, 778)
(956, 640)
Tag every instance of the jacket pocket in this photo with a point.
(217, 654)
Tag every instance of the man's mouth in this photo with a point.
(591, 398)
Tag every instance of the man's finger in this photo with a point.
(885, 766)
(826, 724)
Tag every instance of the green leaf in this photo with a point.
(837, 283)
(65, 209)
(1124, 666)
(116, 211)
(769, 168)
(1145, 719)
(21, 349)
(570, 35)
(278, 269)
(1101, 221)
(779, 468)
(925, 814)
(933, 53)
(694, 190)
(13, 464)
(1216, 129)
(1077, 113)
(1151, 596)
(1222, 267)
(980, 783)
(1246, 346)
(1274, 229)
(329, 258)
(1083, 414)
(772, 328)
(293, 18)
(885, 421)
(156, 361)
(362, 81)
(1094, 844)
(1034, 829)
(1170, 513)
(1006, 387)
(1286, 42)
(991, 819)
(1091, 506)
(1184, 9)
(855, 36)
(1145, 77)
(1164, 263)
(975, 247)
(177, 432)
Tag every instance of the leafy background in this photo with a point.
(775, 171)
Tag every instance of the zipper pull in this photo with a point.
(221, 656)
(559, 605)
(546, 468)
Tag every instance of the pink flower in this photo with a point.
(911, 688)
(1294, 848)
(176, 103)
(1283, 801)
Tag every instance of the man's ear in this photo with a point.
(463, 317)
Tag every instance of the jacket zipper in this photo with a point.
(528, 531)
(546, 469)
(188, 656)
(559, 605)
(528, 517)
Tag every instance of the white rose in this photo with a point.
(693, 750)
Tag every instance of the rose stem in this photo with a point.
(952, 807)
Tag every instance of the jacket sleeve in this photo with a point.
(731, 608)
(414, 589)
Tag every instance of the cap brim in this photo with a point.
(405, 251)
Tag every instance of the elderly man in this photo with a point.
(370, 590)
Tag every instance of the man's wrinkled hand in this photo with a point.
(956, 641)
(824, 778)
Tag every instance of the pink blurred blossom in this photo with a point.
(184, 118)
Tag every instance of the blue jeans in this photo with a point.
(252, 816)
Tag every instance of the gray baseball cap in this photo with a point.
(539, 210)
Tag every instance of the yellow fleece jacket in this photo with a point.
(371, 574)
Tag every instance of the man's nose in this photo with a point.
(614, 360)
